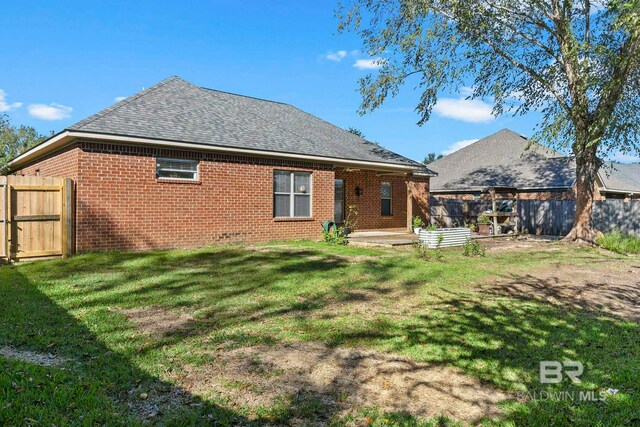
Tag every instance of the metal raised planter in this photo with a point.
(450, 237)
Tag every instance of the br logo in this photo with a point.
(552, 371)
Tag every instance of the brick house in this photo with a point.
(516, 167)
(177, 165)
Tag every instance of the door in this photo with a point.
(338, 201)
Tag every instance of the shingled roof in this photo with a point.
(503, 159)
(177, 110)
(621, 177)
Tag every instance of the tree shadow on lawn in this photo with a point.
(232, 292)
(95, 385)
(599, 292)
(502, 341)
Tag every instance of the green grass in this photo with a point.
(430, 311)
(620, 243)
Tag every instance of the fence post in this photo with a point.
(7, 219)
(68, 217)
(3, 218)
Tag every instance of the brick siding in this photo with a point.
(369, 204)
(121, 205)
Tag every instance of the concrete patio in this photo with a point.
(382, 238)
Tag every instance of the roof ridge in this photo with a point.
(244, 96)
(126, 101)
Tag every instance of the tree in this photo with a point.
(355, 131)
(15, 140)
(576, 62)
(431, 157)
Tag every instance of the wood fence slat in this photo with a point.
(546, 217)
(38, 216)
(4, 243)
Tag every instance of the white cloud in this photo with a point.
(119, 98)
(336, 56)
(624, 158)
(458, 145)
(466, 91)
(466, 110)
(369, 64)
(4, 105)
(52, 111)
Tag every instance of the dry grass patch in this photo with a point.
(158, 322)
(342, 380)
(611, 287)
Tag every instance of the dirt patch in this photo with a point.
(340, 380)
(613, 288)
(157, 321)
(49, 359)
(501, 244)
(147, 402)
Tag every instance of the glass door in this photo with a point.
(338, 204)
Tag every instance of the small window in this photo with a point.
(291, 194)
(385, 197)
(177, 169)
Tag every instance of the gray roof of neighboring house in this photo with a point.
(177, 110)
(621, 177)
(503, 159)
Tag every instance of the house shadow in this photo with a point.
(81, 381)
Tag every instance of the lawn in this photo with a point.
(268, 334)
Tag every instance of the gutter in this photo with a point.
(515, 188)
(67, 136)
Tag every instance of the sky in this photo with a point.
(62, 61)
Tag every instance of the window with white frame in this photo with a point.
(177, 169)
(385, 198)
(291, 194)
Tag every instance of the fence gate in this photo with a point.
(36, 217)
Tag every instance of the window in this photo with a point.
(291, 194)
(385, 198)
(177, 169)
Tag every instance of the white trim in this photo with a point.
(292, 194)
(472, 190)
(196, 173)
(606, 190)
(67, 136)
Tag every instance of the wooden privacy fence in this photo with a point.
(456, 213)
(36, 217)
(543, 217)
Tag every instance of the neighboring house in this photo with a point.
(511, 164)
(178, 165)
(619, 181)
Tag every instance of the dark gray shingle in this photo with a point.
(505, 159)
(621, 177)
(177, 110)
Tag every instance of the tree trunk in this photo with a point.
(587, 165)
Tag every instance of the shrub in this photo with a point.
(424, 252)
(620, 243)
(417, 222)
(483, 219)
(351, 220)
(336, 236)
(473, 248)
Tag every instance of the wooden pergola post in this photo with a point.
(495, 213)
(409, 204)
